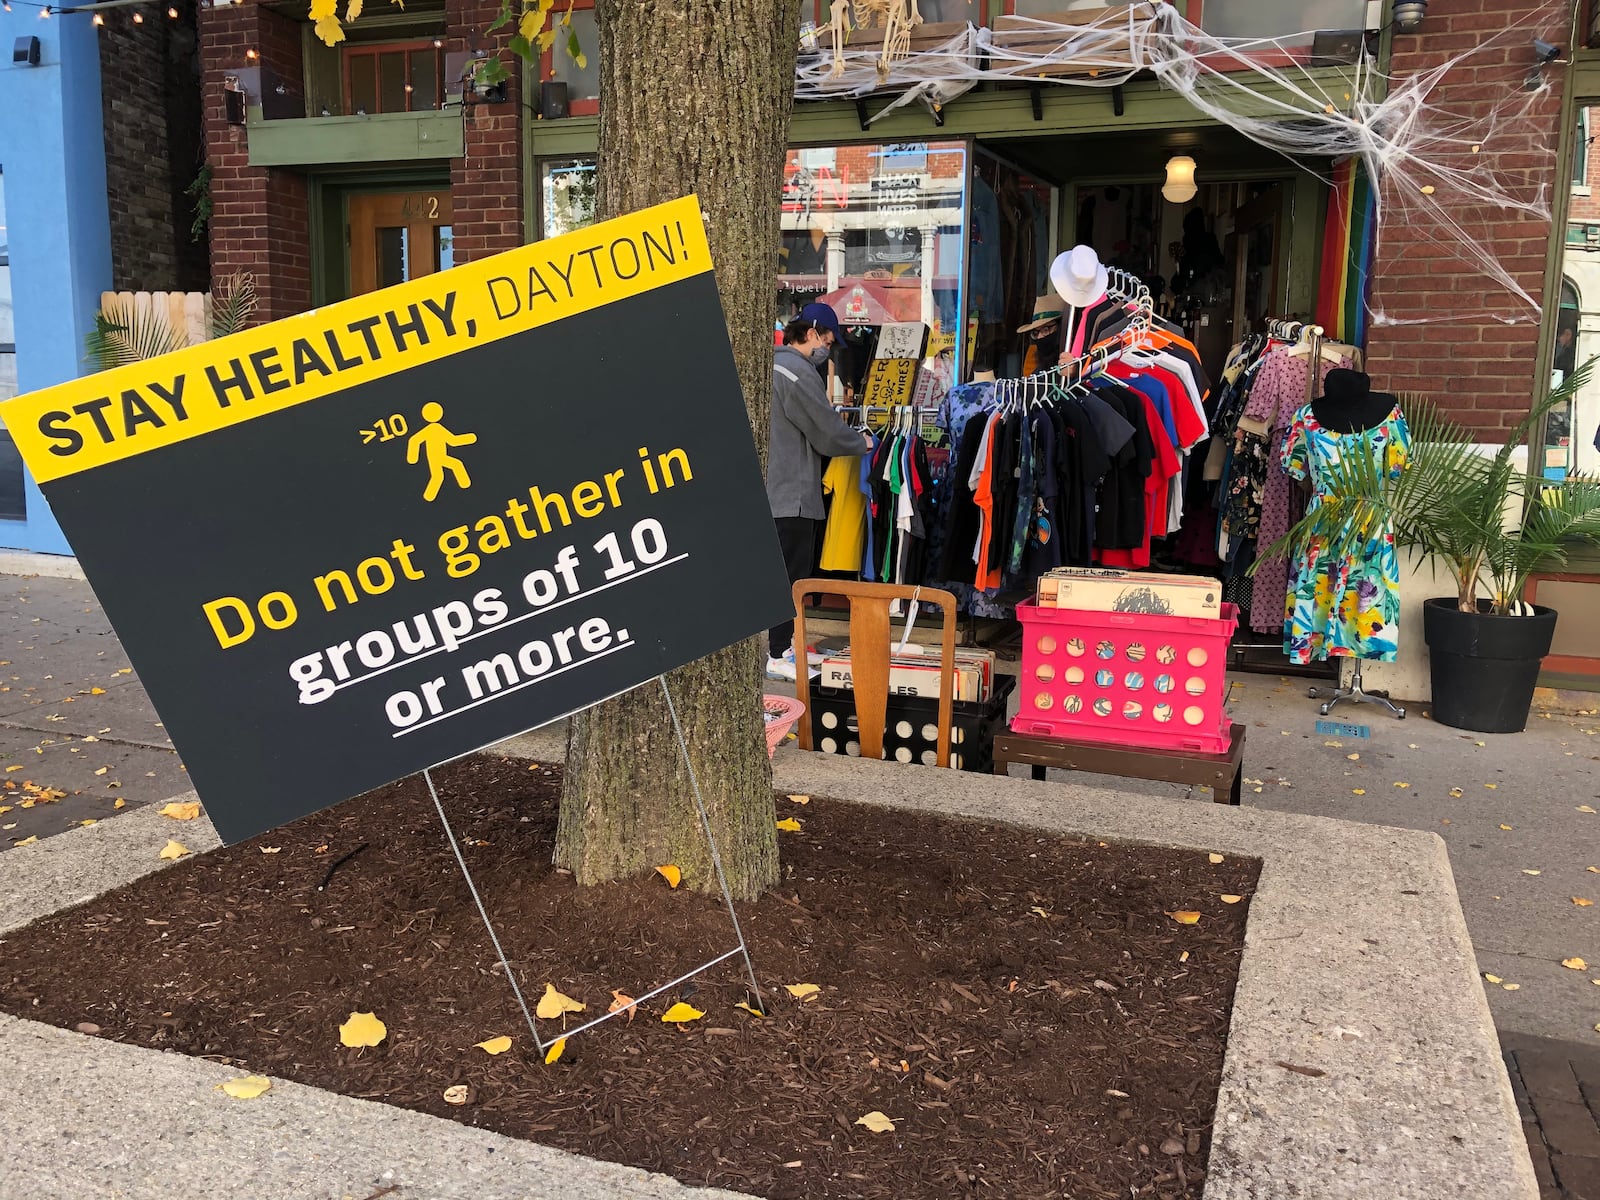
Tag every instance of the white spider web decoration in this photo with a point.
(1438, 172)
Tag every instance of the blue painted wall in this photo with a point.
(52, 152)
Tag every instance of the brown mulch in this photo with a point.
(1021, 1006)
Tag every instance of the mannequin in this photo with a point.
(1349, 405)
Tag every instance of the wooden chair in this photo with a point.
(871, 632)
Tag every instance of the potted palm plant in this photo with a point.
(1490, 522)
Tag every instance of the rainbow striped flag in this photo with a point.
(1347, 242)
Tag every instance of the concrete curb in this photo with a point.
(25, 562)
(1414, 1102)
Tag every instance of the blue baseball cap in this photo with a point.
(823, 317)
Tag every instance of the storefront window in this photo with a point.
(1280, 18)
(13, 503)
(567, 193)
(1010, 255)
(878, 232)
(1572, 430)
(583, 82)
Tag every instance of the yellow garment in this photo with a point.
(844, 540)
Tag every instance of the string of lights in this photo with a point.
(94, 11)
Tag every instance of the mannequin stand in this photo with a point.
(1356, 694)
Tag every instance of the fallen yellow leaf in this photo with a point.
(789, 825)
(456, 1095)
(1039, 912)
(1353, 757)
(1574, 964)
(1491, 786)
(620, 1001)
(801, 799)
(1493, 978)
(1525, 871)
(174, 850)
(681, 1013)
(1358, 791)
(1402, 785)
(671, 874)
(495, 1045)
(102, 771)
(181, 812)
(1215, 858)
(1456, 793)
(97, 691)
(1185, 917)
(362, 1029)
(554, 1004)
(556, 1047)
(1231, 899)
(246, 1087)
(801, 991)
(1507, 828)
(27, 841)
(89, 821)
(1582, 903)
(1584, 808)
(876, 1122)
(1593, 870)
(1511, 987)
(756, 1012)
(120, 803)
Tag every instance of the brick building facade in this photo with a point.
(262, 216)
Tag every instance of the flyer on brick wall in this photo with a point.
(351, 544)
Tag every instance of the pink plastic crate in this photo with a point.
(1125, 678)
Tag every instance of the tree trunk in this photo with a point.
(695, 97)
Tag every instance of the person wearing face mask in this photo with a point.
(804, 431)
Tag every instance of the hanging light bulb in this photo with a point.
(250, 54)
(99, 20)
(173, 13)
(1180, 185)
(44, 13)
(138, 18)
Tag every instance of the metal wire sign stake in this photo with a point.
(741, 949)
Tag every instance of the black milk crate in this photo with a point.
(911, 726)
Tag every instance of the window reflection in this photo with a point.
(1572, 431)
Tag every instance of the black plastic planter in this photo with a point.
(1485, 666)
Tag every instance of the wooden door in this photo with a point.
(396, 236)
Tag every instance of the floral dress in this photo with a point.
(1343, 607)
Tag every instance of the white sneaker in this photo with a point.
(812, 657)
(781, 668)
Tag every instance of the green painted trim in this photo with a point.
(1585, 76)
(1008, 112)
(330, 141)
(1555, 246)
(328, 195)
(1308, 214)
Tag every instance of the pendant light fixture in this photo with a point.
(1180, 185)
(1408, 15)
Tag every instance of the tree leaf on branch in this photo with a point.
(502, 18)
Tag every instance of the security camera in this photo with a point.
(1544, 52)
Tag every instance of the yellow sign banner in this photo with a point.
(114, 415)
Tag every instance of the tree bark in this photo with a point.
(695, 96)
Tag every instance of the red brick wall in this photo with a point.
(259, 220)
(1481, 370)
(486, 185)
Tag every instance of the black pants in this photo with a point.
(801, 540)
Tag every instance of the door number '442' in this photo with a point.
(385, 429)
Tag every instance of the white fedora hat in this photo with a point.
(1079, 276)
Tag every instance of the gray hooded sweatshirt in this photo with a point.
(804, 430)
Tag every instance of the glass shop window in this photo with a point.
(394, 77)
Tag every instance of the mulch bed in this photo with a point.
(1021, 1006)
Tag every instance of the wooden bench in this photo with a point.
(1222, 773)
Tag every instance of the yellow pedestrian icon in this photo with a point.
(434, 441)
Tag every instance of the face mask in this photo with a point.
(818, 355)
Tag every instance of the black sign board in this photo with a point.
(365, 540)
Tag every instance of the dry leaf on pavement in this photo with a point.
(1584, 808)
(495, 1045)
(1526, 871)
(1574, 964)
(362, 1029)
(876, 1122)
(554, 1004)
(1493, 978)
(174, 850)
(1582, 903)
(681, 1013)
(247, 1087)
(180, 812)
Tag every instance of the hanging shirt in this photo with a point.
(1164, 467)
(846, 532)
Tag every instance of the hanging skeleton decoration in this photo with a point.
(896, 17)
